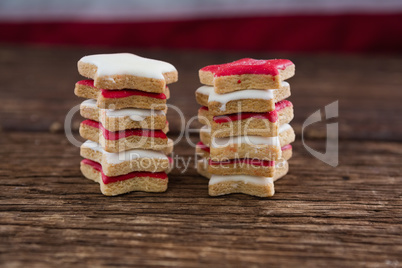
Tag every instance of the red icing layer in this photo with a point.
(204, 108)
(248, 66)
(248, 161)
(116, 94)
(286, 147)
(107, 179)
(202, 146)
(282, 104)
(271, 116)
(109, 135)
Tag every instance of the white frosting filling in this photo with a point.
(117, 158)
(251, 140)
(205, 128)
(240, 178)
(265, 94)
(205, 90)
(128, 64)
(284, 127)
(89, 103)
(280, 163)
(134, 114)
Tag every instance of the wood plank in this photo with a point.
(346, 216)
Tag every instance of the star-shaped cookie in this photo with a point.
(127, 71)
(247, 74)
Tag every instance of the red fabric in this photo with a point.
(343, 33)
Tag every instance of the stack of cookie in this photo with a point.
(245, 143)
(125, 127)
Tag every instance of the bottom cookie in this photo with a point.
(251, 185)
(135, 181)
(202, 168)
(232, 184)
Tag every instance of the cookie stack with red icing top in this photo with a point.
(125, 127)
(245, 140)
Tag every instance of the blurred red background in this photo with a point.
(326, 25)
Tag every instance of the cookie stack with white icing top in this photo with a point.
(245, 140)
(125, 127)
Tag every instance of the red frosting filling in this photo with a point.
(271, 116)
(286, 147)
(202, 146)
(109, 135)
(204, 108)
(115, 94)
(248, 66)
(282, 104)
(248, 161)
(107, 179)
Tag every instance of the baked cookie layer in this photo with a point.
(287, 152)
(135, 181)
(129, 118)
(281, 167)
(204, 116)
(202, 150)
(242, 166)
(247, 146)
(232, 184)
(114, 142)
(251, 185)
(247, 74)
(202, 168)
(258, 124)
(116, 164)
(261, 124)
(127, 71)
(249, 100)
(120, 99)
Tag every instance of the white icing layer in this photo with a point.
(284, 127)
(134, 114)
(89, 103)
(205, 128)
(251, 140)
(128, 64)
(265, 94)
(205, 90)
(240, 178)
(280, 163)
(117, 158)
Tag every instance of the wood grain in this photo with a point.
(346, 216)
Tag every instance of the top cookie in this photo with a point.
(247, 74)
(127, 71)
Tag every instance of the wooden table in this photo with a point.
(349, 215)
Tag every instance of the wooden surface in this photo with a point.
(349, 215)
